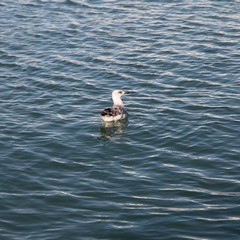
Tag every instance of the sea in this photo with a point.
(171, 171)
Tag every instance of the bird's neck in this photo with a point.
(117, 101)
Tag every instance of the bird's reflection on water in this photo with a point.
(112, 130)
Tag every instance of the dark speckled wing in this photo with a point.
(114, 111)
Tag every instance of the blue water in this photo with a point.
(171, 171)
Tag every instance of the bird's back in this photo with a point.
(114, 113)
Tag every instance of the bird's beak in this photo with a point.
(126, 92)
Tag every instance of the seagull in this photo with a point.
(117, 111)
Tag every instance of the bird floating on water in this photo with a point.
(117, 111)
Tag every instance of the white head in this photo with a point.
(116, 96)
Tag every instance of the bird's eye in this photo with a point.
(120, 92)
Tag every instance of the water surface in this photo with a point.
(171, 171)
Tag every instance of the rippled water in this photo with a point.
(171, 171)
